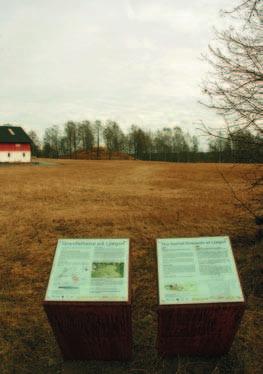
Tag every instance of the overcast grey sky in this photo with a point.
(134, 61)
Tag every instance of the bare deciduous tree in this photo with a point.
(98, 129)
(70, 129)
(114, 137)
(235, 85)
(85, 135)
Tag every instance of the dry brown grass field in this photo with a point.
(133, 199)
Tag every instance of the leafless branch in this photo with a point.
(236, 197)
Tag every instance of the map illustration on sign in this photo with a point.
(197, 270)
(89, 270)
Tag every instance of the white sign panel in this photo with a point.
(197, 270)
(90, 270)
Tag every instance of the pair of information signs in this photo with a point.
(190, 271)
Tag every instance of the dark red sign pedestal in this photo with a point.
(206, 330)
(91, 331)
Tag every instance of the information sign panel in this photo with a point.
(197, 270)
(90, 270)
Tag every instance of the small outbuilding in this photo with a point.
(15, 144)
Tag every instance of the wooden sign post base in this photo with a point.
(206, 330)
(91, 331)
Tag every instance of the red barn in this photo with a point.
(15, 144)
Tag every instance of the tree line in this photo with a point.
(240, 145)
(166, 144)
(87, 136)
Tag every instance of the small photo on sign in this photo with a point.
(107, 270)
(181, 287)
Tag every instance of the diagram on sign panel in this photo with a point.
(72, 277)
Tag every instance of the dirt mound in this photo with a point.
(102, 154)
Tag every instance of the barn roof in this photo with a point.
(13, 134)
